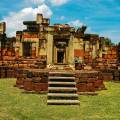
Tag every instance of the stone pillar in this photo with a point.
(21, 49)
(100, 54)
(67, 54)
(71, 51)
(94, 51)
(97, 44)
(55, 54)
(37, 47)
(49, 49)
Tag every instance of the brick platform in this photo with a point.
(37, 80)
(89, 81)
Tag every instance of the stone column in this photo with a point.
(37, 47)
(49, 49)
(55, 54)
(67, 54)
(21, 49)
(71, 51)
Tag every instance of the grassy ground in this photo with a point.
(15, 105)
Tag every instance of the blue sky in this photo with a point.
(100, 16)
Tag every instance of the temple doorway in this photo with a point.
(60, 50)
(60, 56)
(27, 49)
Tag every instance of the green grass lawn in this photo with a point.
(16, 105)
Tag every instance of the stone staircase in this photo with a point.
(62, 89)
(61, 67)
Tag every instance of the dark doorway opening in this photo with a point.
(60, 56)
(27, 49)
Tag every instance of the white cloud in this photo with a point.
(76, 23)
(36, 1)
(62, 18)
(14, 20)
(58, 2)
(52, 2)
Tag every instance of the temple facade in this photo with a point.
(59, 44)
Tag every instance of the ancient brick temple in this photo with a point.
(62, 44)
(57, 44)
(43, 54)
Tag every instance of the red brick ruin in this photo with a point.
(32, 71)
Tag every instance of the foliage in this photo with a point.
(106, 41)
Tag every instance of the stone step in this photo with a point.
(66, 78)
(61, 83)
(63, 102)
(61, 72)
(62, 95)
(62, 88)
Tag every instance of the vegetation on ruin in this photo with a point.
(16, 105)
(106, 41)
